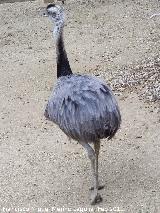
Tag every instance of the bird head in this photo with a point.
(55, 13)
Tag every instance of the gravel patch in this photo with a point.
(144, 77)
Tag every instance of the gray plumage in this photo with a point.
(84, 107)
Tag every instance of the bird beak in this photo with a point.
(43, 12)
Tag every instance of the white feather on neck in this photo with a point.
(58, 29)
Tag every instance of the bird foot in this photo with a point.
(99, 188)
(96, 199)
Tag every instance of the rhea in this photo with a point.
(83, 106)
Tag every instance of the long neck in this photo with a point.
(63, 67)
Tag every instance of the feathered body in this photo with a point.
(84, 108)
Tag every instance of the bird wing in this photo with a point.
(85, 109)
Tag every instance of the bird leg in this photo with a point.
(97, 148)
(95, 198)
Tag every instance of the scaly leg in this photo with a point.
(95, 198)
(97, 148)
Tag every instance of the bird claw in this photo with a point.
(96, 199)
(99, 188)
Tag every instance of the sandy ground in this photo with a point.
(39, 167)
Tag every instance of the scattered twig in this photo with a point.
(155, 14)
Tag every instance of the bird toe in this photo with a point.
(96, 199)
(99, 188)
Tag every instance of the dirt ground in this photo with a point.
(39, 167)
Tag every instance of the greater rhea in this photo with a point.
(83, 106)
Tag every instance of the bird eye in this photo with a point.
(50, 13)
(54, 14)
